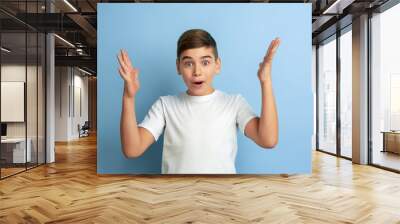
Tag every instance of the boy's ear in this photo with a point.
(177, 66)
(218, 65)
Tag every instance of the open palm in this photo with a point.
(129, 73)
(264, 70)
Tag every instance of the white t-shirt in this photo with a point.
(200, 131)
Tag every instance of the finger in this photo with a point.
(266, 57)
(120, 60)
(274, 47)
(122, 73)
(271, 45)
(123, 54)
(276, 44)
(126, 58)
(124, 66)
(124, 70)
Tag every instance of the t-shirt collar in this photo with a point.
(200, 98)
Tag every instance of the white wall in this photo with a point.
(314, 91)
(80, 100)
(15, 72)
(34, 125)
(13, 100)
(61, 103)
(70, 83)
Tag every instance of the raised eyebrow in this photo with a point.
(186, 58)
(207, 56)
(190, 58)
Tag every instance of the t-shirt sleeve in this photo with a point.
(154, 121)
(244, 113)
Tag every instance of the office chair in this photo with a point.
(84, 130)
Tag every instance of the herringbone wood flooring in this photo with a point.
(70, 191)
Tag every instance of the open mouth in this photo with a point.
(199, 83)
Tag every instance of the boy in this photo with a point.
(200, 124)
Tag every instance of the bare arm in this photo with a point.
(135, 140)
(263, 130)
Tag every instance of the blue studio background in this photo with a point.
(243, 31)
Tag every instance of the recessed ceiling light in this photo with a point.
(5, 50)
(64, 40)
(337, 7)
(70, 5)
(84, 71)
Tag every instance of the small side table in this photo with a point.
(391, 141)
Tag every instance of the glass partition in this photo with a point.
(346, 93)
(22, 77)
(327, 95)
(385, 93)
(13, 108)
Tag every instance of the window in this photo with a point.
(327, 95)
(385, 85)
(22, 65)
(346, 75)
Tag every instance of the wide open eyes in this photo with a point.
(189, 64)
(205, 62)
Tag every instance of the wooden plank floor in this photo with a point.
(70, 191)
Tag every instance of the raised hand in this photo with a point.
(129, 73)
(264, 70)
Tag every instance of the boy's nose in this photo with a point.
(197, 71)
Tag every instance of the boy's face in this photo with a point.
(198, 66)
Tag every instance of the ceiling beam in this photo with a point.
(84, 24)
(82, 61)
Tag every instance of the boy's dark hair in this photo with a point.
(196, 38)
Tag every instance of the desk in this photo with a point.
(391, 141)
(13, 150)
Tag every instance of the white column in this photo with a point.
(360, 90)
(50, 110)
(314, 92)
(50, 91)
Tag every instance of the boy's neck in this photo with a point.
(208, 92)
